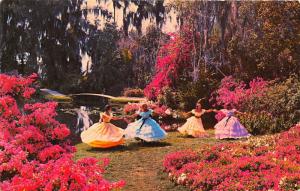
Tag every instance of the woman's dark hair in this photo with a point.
(107, 107)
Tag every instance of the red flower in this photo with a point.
(240, 166)
(34, 151)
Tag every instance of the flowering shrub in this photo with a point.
(266, 163)
(34, 151)
(234, 94)
(173, 57)
(169, 126)
(131, 108)
(133, 92)
(167, 119)
(270, 106)
(220, 115)
(17, 86)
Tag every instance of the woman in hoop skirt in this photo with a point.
(193, 126)
(104, 134)
(230, 127)
(146, 128)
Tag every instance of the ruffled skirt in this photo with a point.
(150, 130)
(193, 127)
(230, 127)
(103, 135)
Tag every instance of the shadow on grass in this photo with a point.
(133, 146)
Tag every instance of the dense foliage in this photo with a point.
(55, 38)
(172, 60)
(266, 163)
(167, 118)
(133, 92)
(34, 150)
(243, 39)
(215, 39)
(248, 39)
(132, 108)
(269, 106)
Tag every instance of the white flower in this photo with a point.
(181, 178)
(168, 112)
(282, 180)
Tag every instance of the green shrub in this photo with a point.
(168, 97)
(276, 111)
(258, 123)
(190, 93)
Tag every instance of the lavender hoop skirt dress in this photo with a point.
(230, 127)
(145, 128)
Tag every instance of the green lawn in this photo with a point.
(141, 165)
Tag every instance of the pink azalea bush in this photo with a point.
(17, 86)
(35, 153)
(131, 108)
(269, 106)
(268, 163)
(173, 57)
(233, 93)
(220, 115)
(164, 116)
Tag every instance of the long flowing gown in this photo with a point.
(103, 134)
(230, 127)
(193, 125)
(145, 128)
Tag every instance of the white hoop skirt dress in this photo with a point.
(193, 125)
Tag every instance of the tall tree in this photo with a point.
(243, 38)
(108, 72)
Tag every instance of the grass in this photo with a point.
(140, 165)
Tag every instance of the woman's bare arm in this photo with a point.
(117, 118)
(239, 112)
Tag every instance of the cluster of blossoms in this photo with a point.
(165, 116)
(173, 57)
(17, 86)
(270, 164)
(158, 109)
(34, 150)
(220, 115)
(233, 93)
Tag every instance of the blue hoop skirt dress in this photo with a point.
(145, 128)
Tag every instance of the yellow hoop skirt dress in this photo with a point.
(104, 134)
(194, 126)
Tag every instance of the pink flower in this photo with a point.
(220, 115)
(240, 166)
(233, 93)
(172, 57)
(34, 151)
